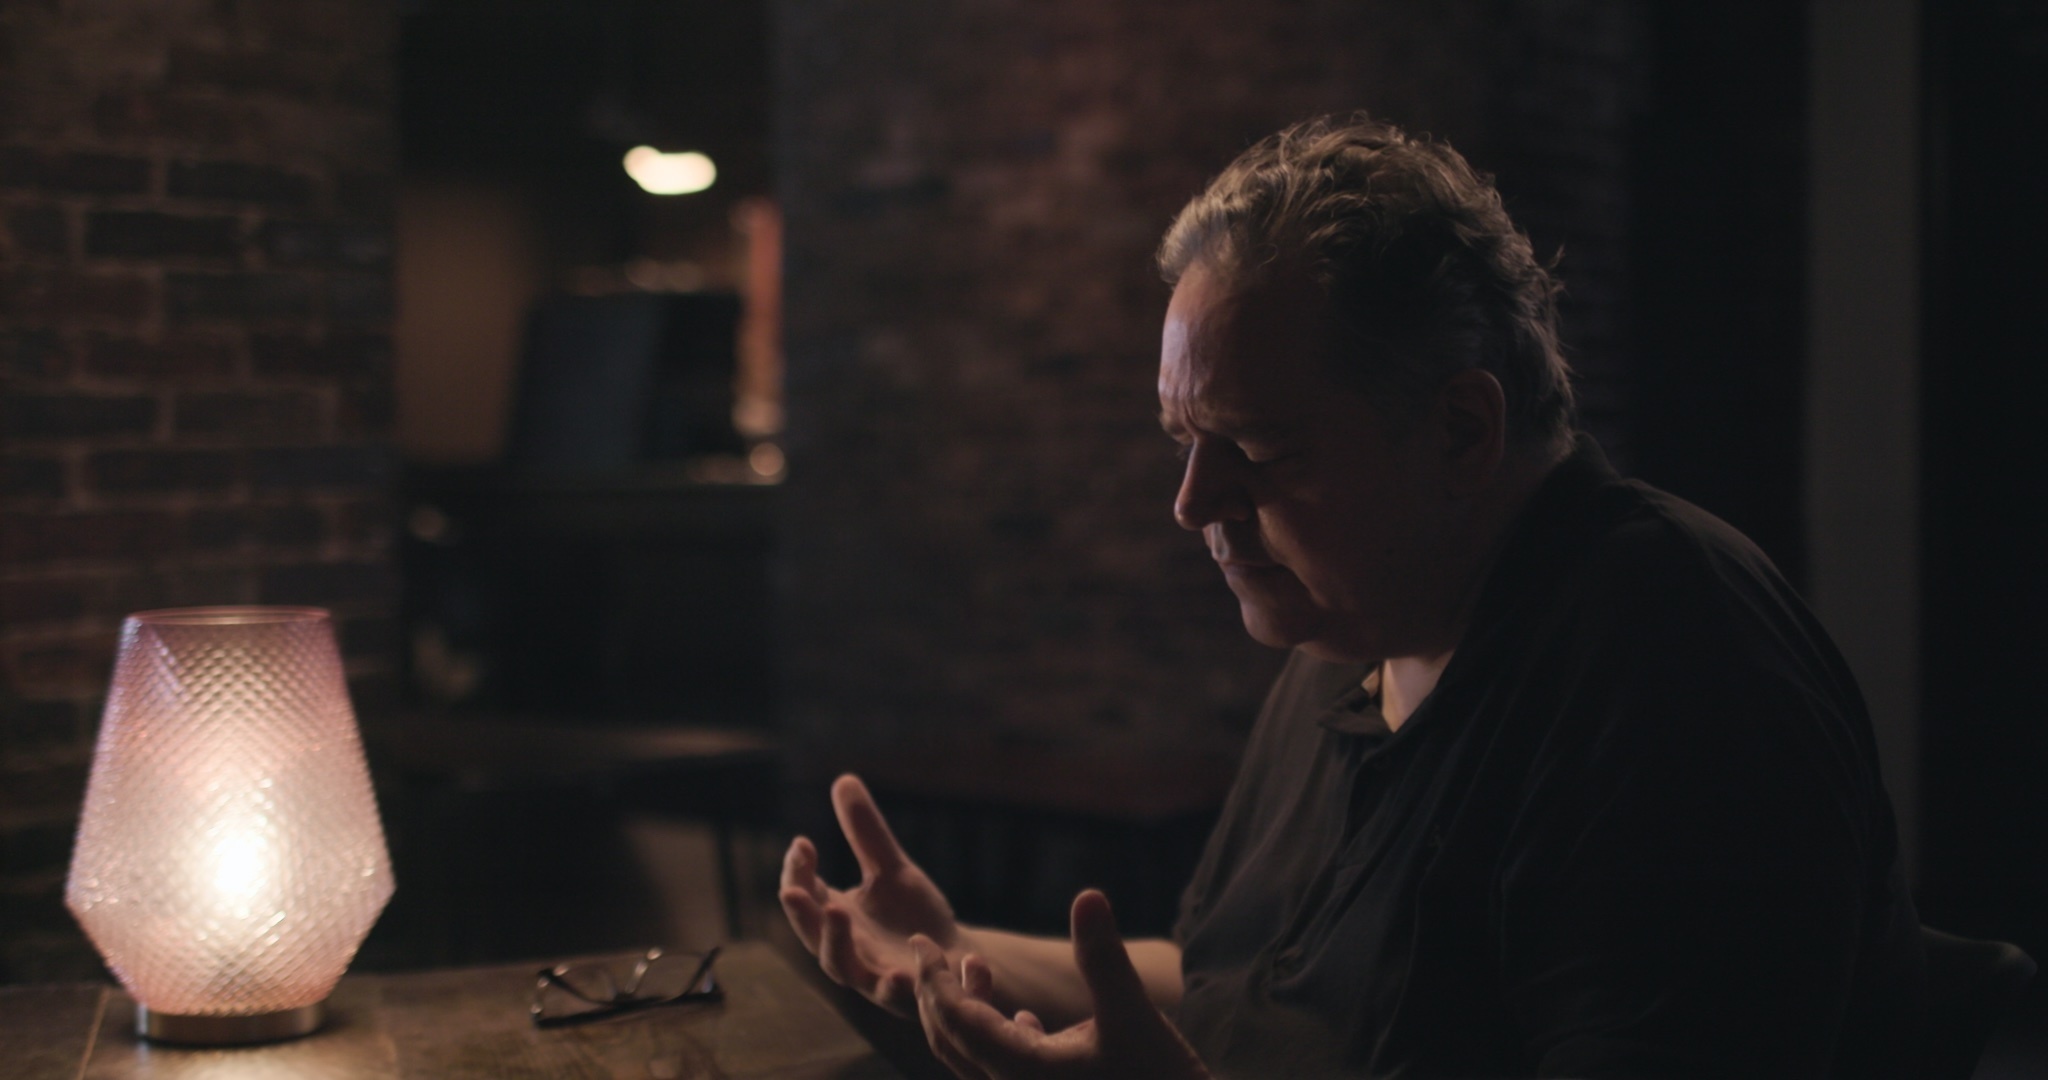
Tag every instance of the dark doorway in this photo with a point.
(1717, 259)
(1986, 473)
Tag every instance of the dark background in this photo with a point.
(1985, 514)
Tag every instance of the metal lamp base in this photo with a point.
(228, 1030)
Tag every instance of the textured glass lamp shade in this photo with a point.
(229, 859)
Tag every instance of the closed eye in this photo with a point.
(1265, 455)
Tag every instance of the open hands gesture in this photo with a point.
(861, 936)
(1127, 1037)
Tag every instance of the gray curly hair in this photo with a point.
(1411, 246)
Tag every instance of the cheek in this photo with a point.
(1323, 538)
(1341, 562)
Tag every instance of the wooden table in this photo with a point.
(457, 1024)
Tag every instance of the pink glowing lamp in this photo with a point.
(230, 859)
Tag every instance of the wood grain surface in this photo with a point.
(461, 1024)
(45, 1031)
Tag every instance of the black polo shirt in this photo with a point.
(1636, 830)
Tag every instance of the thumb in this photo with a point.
(1104, 962)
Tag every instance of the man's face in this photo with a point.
(1328, 519)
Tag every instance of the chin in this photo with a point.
(1311, 632)
(1265, 632)
(1288, 630)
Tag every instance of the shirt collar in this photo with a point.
(1355, 708)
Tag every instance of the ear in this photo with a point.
(1472, 420)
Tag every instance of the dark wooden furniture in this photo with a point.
(643, 594)
(454, 779)
(457, 1024)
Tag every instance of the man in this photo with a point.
(1561, 778)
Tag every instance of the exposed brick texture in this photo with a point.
(261, 415)
(39, 230)
(33, 354)
(242, 296)
(195, 246)
(115, 472)
(45, 295)
(239, 182)
(64, 172)
(64, 414)
(152, 235)
(977, 536)
(166, 357)
(24, 477)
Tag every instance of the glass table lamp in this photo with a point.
(229, 858)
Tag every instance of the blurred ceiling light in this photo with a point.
(669, 174)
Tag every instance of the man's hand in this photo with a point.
(1127, 1037)
(861, 936)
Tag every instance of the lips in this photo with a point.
(1237, 567)
(1235, 556)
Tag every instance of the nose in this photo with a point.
(1211, 488)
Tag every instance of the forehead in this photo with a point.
(1261, 352)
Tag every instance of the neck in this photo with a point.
(1493, 512)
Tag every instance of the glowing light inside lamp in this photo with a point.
(229, 857)
(669, 174)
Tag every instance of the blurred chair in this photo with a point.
(1970, 987)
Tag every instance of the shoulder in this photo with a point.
(1662, 586)
(1655, 539)
(1676, 664)
(1631, 620)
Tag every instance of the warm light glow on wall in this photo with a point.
(669, 174)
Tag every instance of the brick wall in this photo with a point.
(195, 388)
(1570, 88)
(978, 535)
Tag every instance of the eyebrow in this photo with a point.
(1230, 427)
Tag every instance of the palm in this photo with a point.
(889, 908)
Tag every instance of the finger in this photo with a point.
(896, 991)
(1104, 962)
(800, 868)
(839, 958)
(873, 844)
(976, 977)
(970, 1027)
(806, 916)
(1029, 1021)
(931, 974)
(930, 960)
